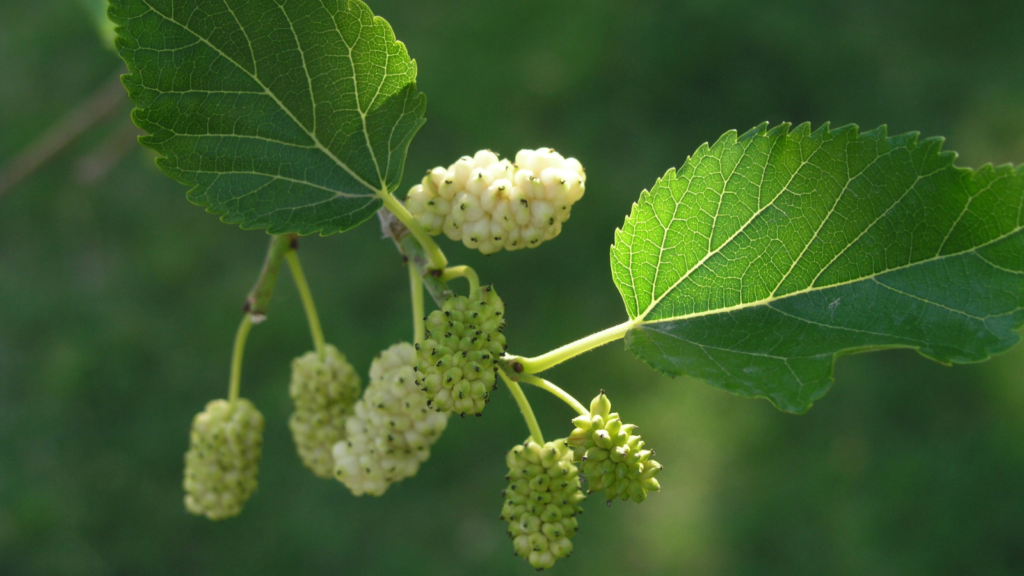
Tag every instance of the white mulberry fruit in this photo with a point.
(542, 501)
(490, 204)
(323, 393)
(456, 361)
(391, 432)
(223, 458)
(614, 459)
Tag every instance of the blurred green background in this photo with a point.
(119, 300)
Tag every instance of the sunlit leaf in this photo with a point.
(769, 254)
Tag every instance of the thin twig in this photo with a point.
(66, 131)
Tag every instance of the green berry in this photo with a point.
(223, 458)
(323, 393)
(391, 431)
(456, 361)
(541, 501)
(613, 457)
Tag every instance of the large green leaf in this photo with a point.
(769, 254)
(291, 116)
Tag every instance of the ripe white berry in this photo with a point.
(223, 458)
(491, 204)
(392, 429)
(323, 393)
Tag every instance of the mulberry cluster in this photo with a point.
(223, 458)
(614, 459)
(323, 392)
(392, 429)
(490, 204)
(542, 501)
(456, 361)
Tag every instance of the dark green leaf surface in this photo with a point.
(290, 116)
(768, 254)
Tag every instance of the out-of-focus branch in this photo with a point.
(66, 131)
(93, 166)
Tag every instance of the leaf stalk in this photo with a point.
(434, 253)
(558, 355)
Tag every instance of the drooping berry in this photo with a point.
(323, 393)
(456, 361)
(541, 501)
(223, 458)
(490, 204)
(613, 457)
(392, 429)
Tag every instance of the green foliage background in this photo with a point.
(118, 301)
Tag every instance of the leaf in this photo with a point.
(768, 255)
(291, 116)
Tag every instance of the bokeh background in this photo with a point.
(119, 300)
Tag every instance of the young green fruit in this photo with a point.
(541, 501)
(490, 204)
(223, 458)
(456, 361)
(392, 429)
(613, 457)
(323, 392)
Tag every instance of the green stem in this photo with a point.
(572, 350)
(524, 407)
(437, 258)
(416, 286)
(561, 394)
(463, 272)
(235, 383)
(258, 300)
(307, 302)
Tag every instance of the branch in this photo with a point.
(415, 255)
(59, 136)
(258, 300)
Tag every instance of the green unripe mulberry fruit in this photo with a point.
(542, 501)
(456, 361)
(223, 458)
(323, 393)
(613, 457)
(391, 432)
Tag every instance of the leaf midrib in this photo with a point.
(810, 289)
(641, 318)
(312, 136)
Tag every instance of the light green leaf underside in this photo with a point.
(289, 115)
(769, 254)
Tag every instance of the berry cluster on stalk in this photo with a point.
(456, 365)
(223, 458)
(542, 501)
(491, 204)
(613, 457)
(323, 392)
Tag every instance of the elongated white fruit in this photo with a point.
(491, 204)
(392, 429)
